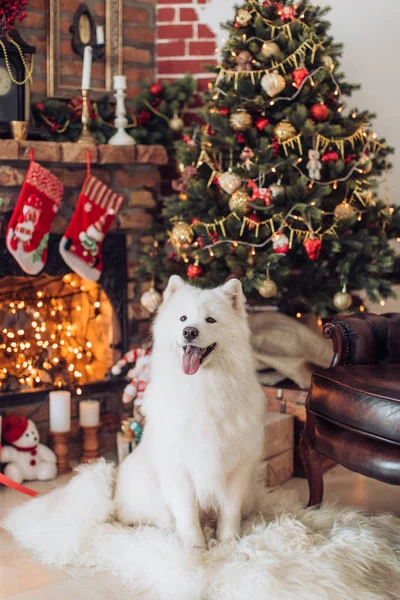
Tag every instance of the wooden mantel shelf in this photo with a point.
(73, 153)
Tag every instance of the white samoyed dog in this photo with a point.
(204, 410)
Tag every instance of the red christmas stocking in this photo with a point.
(81, 244)
(28, 229)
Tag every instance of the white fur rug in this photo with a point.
(286, 552)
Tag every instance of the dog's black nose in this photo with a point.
(190, 334)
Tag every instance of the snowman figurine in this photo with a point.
(24, 456)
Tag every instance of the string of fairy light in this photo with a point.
(42, 341)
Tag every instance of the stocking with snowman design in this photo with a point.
(28, 230)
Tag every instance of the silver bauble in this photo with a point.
(151, 300)
(241, 120)
(273, 83)
(176, 124)
(229, 182)
(342, 300)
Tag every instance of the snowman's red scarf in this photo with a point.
(17, 486)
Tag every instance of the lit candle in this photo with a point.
(119, 82)
(87, 67)
(89, 413)
(100, 34)
(60, 411)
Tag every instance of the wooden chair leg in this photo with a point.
(312, 462)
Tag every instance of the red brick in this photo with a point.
(9, 150)
(137, 178)
(153, 155)
(44, 151)
(170, 49)
(77, 153)
(182, 66)
(165, 15)
(175, 1)
(135, 74)
(138, 34)
(116, 154)
(11, 177)
(172, 32)
(136, 54)
(204, 31)
(34, 20)
(202, 48)
(134, 221)
(136, 15)
(188, 14)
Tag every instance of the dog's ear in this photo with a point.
(175, 283)
(234, 291)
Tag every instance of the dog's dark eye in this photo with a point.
(183, 319)
(210, 320)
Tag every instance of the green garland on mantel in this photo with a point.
(155, 119)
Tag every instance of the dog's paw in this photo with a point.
(194, 541)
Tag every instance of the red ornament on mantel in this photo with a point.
(319, 112)
(156, 89)
(262, 123)
(194, 271)
(299, 75)
(330, 157)
(313, 248)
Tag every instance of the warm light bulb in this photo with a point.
(89, 344)
(79, 308)
(78, 391)
(39, 304)
(96, 304)
(36, 314)
(20, 332)
(40, 294)
(56, 360)
(71, 368)
(79, 355)
(299, 315)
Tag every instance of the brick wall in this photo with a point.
(138, 42)
(184, 44)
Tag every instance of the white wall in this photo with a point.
(369, 31)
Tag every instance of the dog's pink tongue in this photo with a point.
(191, 360)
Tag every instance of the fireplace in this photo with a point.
(58, 330)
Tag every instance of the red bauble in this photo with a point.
(288, 13)
(299, 75)
(330, 157)
(40, 106)
(195, 221)
(214, 237)
(210, 131)
(313, 248)
(255, 219)
(319, 112)
(194, 271)
(200, 242)
(223, 111)
(275, 143)
(350, 158)
(240, 139)
(262, 123)
(237, 26)
(156, 89)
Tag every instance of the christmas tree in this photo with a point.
(280, 186)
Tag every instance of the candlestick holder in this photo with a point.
(90, 446)
(85, 137)
(61, 450)
(121, 137)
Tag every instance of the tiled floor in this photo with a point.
(21, 578)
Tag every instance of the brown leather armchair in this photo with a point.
(353, 408)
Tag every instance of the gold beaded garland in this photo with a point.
(182, 233)
(28, 70)
(238, 202)
(284, 131)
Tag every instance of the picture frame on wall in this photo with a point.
(64, 64)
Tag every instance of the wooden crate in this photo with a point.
(276, 470)
(291, 401)
(277, 464)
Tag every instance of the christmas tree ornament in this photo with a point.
(299, 75)
(224, 111)
(277, 190)
(269, 50)
(275, 146)
(344, 210)
(261, 123)
(327, 61)
(238, 202)
(194, 271)
(81, 244)
(156, 89)
(273, 83)
(365, 164)
(183, 197)
(260, 193)
(284, 131)
(176, 124)
(280, 242)
(243, 17)
(241, 120)
(229, 182)
(253, 221)
(319, 112)
(313, 247)
(330, 156)
(181, 234)
(246, 155)
(244, 61)
(28, 229)
(151, 300)
(288, 13)
(268, 289)
(343, 300)
(240, 138)
(314, 165)
(367, 196)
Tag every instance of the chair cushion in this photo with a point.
(364, 398)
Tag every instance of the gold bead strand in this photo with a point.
(28, 71)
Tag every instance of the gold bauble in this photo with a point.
(327, 61)
(182, 233)
(344, 210)
(241, 120)
(151, 300)
(269, 50)
(268, 289)
(365, 164)
(273, 83)
(243, 17)
(284, 131)
(238, 202)
(229, 182)
(176, 124)
(342, 300)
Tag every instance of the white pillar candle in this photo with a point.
(87, 67)
(89, 413)
(119, 82)
(60, 411)
(100, 34)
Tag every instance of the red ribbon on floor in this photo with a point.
(17, 486)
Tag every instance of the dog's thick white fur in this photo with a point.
(204, 418)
